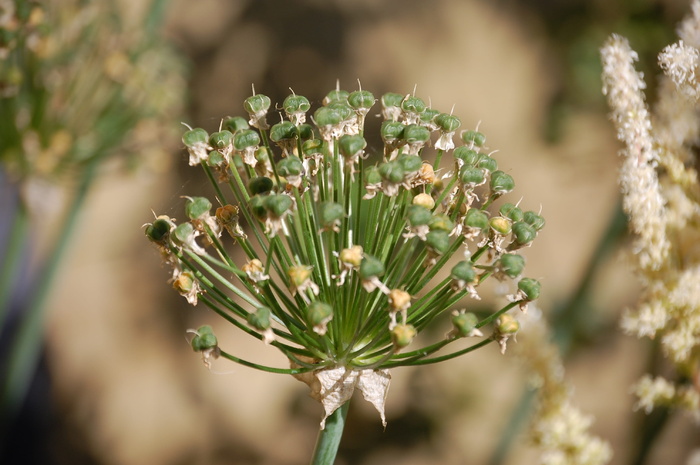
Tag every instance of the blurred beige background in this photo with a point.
(129, 390)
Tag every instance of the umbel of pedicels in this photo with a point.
(339, 255)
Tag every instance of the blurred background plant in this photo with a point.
(86, 89)
(531, 72)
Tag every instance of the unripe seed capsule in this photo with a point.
(221, 140)
(523, 233)
(465, 323)
(438, 240)
(236, 123)
(260, 319)
(195, 136)
(424, 200)
(245, 138)
(418, 215)
(447, 122)
(530, 288)
(196, 207)
(278, 204)
(476, 218)
(361, 100)
(463, 271)
(534, 220)
(467, 155)
(511, 264)
(371, 266)
(501, 183)
(351, 145)
(511, 212)
(260, 185)
(474, 136)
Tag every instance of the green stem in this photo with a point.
(27, 341)
(15, 248)
(329, 437)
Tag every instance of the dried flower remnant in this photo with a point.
(661, 195)
(343, 257)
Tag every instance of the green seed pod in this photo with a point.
(415, 134)
(511, 212)
(447, 123)
(236, 123)
(215, 159)
(326, 116)
(182, 233)
(469, 156)
(410, 163)
(470, 176)
(428, 116)
(262, 154)
(305, 131)
(330, 212)
(295, 104)
(195, 136)
(413, 104)
(283, 131)
(391, 99)
(278, 204)
(523, 233)
(257, 104)
(290, 166)
(336, 95)
(257, 206)
(402, 335)
(260, 185)
(221, 140)
(501, 183)
(245, 138)
(318, 313)
(260, 319)
(372, 175)
(391, 131)
(465, 323)
(345, 110)
(371, 266)
(534, 220)
(530, 288)
(476, 218)
(500, 225)
(474, 136)
(441, 222)
(204, 340)
(392, 171)
(438, 240)
(361, 100)
(312, 147)
(512, 265)
(159, 230)
(196, 207)
(464, 271)
(418, 216)
(351, 145)
(487, 163)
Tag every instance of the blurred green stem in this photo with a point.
(12, 263)
(27, 339)
(329, 437)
